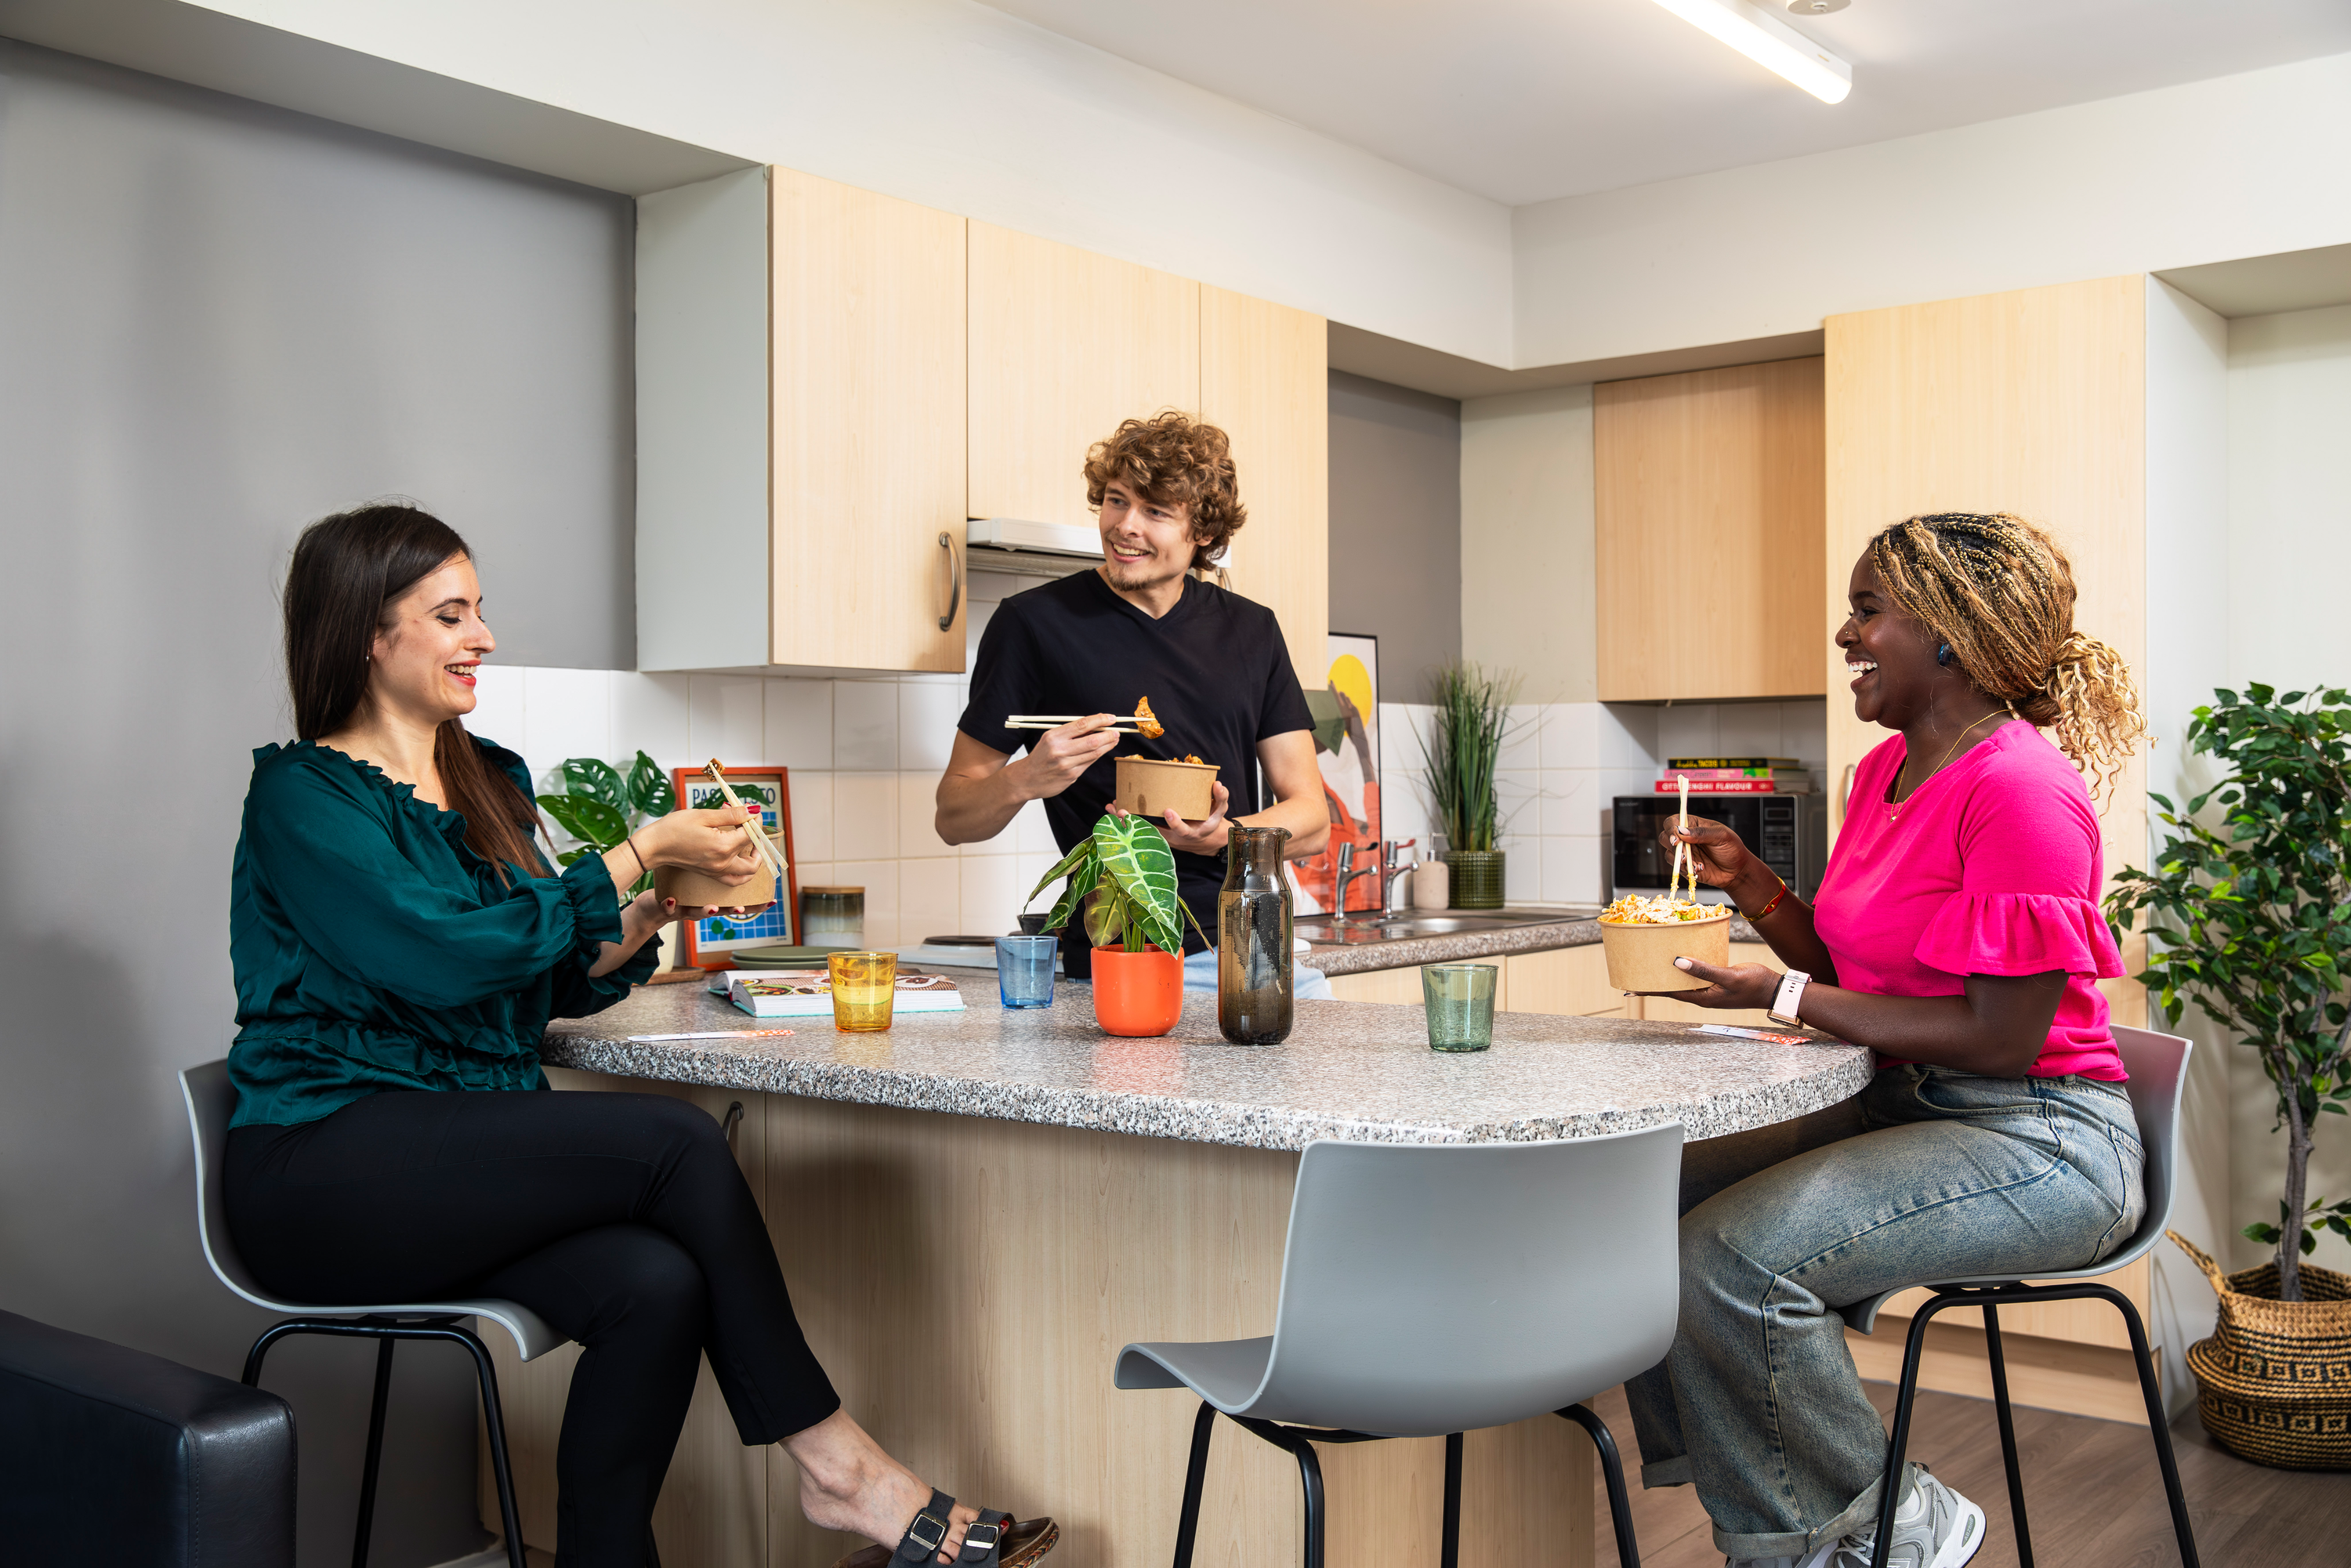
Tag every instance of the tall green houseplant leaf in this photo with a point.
(2251, 920)
(1463, 748)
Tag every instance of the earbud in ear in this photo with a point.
(1943, 655)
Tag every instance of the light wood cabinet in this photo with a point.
(801, 428)
(1064, 345)
(1265, 382)
(1708, 493)
(2034, 402)
(1564, 980)
(829, 382)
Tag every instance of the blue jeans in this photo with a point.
(1929, 1174)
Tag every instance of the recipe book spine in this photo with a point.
(1734, 787)
(1687, 764)
(1695, 773)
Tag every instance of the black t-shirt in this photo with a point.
(1215, 668)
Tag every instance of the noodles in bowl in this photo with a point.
(1642, 936)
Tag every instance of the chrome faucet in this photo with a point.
(1386, 869)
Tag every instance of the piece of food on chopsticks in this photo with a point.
(1147, 724)
(1661, 909)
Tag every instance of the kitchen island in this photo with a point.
(976, 1209)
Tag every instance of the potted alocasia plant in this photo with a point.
(1122, 885)
(2250, 921)
(1462, 750)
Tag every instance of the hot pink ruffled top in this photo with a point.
(1991, 867)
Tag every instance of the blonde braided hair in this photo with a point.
(2000, 592)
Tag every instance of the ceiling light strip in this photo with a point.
(1770, 43)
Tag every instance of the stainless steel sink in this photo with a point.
(1359, 932)
(1439, 925)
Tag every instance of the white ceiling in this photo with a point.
(1523, 100)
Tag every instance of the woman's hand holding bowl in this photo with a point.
(710, 841)
(1719, 858)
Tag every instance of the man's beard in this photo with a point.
(1148, 572)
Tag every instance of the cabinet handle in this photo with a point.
(954, 580)
(1844, 792)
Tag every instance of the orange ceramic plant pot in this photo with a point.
(1138, 993)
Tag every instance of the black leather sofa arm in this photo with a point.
(113, 1456)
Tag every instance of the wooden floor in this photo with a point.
(2095, 1495)
(2092, 1486)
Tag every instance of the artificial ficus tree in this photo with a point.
(2250, 918)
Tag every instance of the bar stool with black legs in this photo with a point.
(1429, 1290)
(211, 1101)
(2157, 1065)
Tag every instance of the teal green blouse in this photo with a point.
(374, 950)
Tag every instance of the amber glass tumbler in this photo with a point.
(862, 987)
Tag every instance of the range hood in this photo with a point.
(1028, 549)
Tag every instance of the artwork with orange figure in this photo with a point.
(1350, 777)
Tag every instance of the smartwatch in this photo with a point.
(1790, 995)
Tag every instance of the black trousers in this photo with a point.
(619, 1219)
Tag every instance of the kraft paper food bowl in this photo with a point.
(1149, 788)
(691, 887)
(1641, 958)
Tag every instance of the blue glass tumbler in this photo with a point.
(1024, 971)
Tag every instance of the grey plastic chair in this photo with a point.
(2157, 1065)
(212, 1101)
(1434, 1289)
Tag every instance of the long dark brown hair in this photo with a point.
(349, 570)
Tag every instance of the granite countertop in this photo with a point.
(1464, 947)
(1358, 1071)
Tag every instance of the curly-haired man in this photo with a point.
(1141, 625)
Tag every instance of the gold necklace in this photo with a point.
(1894, 807)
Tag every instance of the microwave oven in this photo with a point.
(1789, 832)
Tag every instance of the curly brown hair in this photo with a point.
(1173, 459)
(2000, 592)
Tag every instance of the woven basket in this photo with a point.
(2273, 1382)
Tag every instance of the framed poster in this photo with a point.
(1349, 753)
(707, 941)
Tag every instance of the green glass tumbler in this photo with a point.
(1460, 1002)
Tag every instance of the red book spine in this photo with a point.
(1720, 787)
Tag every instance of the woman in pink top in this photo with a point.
(1958, 932)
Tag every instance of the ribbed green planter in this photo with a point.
(1476, 878)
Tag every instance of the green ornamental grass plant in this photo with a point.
(1462, 747)
(2252, 920)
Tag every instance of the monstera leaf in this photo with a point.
(585, 817)
(597, 780)
(1135, 855)
(649, 789)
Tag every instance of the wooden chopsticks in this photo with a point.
(772, 857)
(1128, 724)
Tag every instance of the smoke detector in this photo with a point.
(1815, 7)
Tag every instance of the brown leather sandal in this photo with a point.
(994, 1540)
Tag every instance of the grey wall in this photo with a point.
(218, 320)
(1396, 526)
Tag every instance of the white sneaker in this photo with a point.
(1934, 1528)
(1818, 1557)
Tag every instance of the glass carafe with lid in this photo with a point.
(1253, 938)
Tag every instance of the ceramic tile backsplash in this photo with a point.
(1562, 763)
(865, 756)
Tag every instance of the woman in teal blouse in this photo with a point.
(399, 948)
